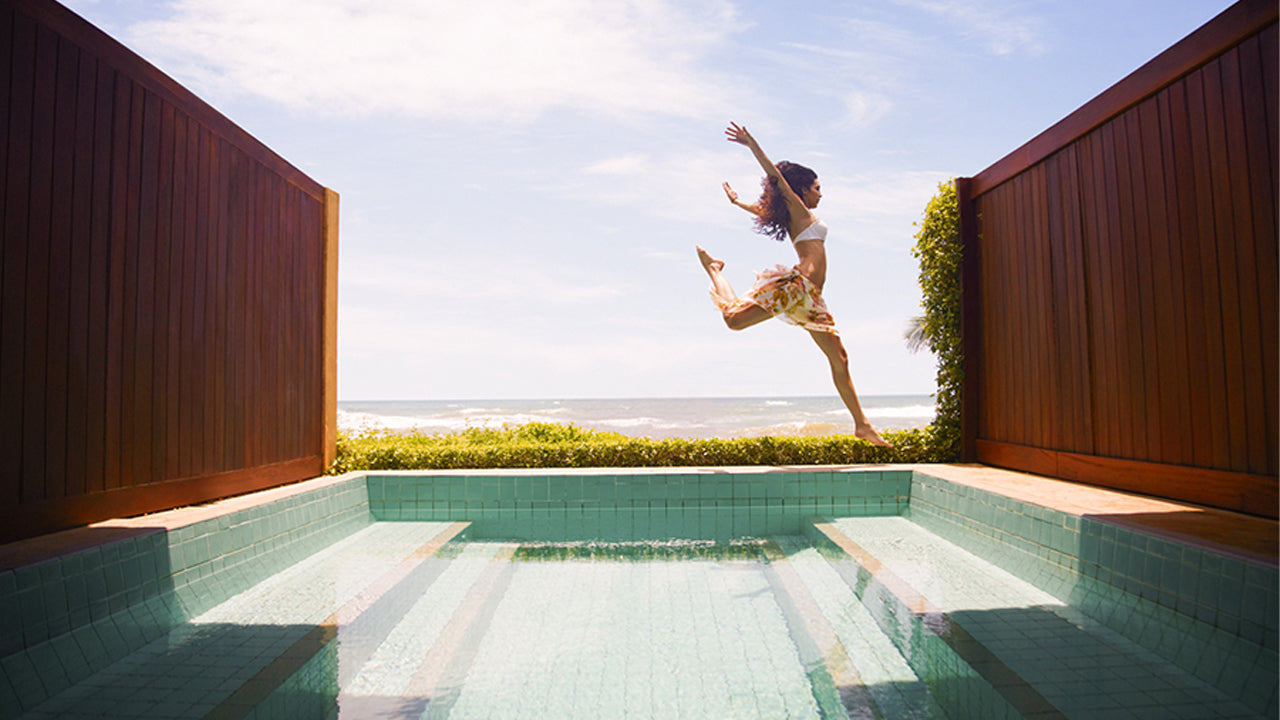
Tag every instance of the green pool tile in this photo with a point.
(716, 488)
(623, 491)
(775, 486)
(1259, 688)
(24, 678)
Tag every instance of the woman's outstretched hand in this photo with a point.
(737, 133)
(733, 196)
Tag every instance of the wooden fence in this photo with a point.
(1120, 281)
(167, 289)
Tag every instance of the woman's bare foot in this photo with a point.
(709, 263)
(868, 433)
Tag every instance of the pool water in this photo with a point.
(421, 627)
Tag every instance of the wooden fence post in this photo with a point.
(970, 320)
(329, 405)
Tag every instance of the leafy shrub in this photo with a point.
(939, 250)
(549, 445)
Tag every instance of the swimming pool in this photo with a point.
(762, 592)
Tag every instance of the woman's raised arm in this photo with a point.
(737, 133)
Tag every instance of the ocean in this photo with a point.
(693, 418)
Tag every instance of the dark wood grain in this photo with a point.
(1126, 279)
(162, 288)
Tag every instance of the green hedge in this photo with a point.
(546, 445)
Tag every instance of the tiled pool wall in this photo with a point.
(696, 504)
(66, 618)
(1210, 613)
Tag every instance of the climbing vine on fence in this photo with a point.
(939, 251)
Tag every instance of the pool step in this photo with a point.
(869, 674)
(994, 646)
(229, 660)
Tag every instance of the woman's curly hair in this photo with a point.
(775, 220)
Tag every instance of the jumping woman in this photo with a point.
(784, 211)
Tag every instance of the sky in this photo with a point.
(523, 182)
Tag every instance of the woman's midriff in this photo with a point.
(813, 261)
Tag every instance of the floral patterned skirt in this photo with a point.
(786, 294)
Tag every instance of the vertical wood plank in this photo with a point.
(1010, 351)
(1118, 331)
(145, 321)
(1228, 263)
(1092, 208)
(238, 214)
(972, 326)
(1208, 261)
(13, 302)
(1269, 47)
(191, 430)
(6, 206)
(220, 224)
(80, 278)
(58, 310)
(205, 308)
(1074, 324)
(159, 426)
(993, 318)
(251, 372)
(1182, 191)
(985, 217)
(118, 273)
(129, 308)
(279, 434)
(1045, 352)
(1164, 321)
(175, 435)
(39, 228)
(1248, 255)
(99, 389)
(1059, 415)
(1133, 333)
(1023, 417)
(6, 89)
(1258, 72)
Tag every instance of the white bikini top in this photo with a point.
(816, 231)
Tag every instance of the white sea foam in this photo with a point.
(906, 411)
(646, 417)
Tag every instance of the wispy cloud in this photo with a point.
(498, 59)
(877, 209)
(1001, 28)
(622, 165)
(437, 281)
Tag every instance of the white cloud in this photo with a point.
(1001, 29)
(676, 185)
(878, 209)
(624, 165)
(863, 108)
(494, 59)
(428, 281)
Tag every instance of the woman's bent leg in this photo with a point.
(833, 348)
(720, 286)
(737, 316)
